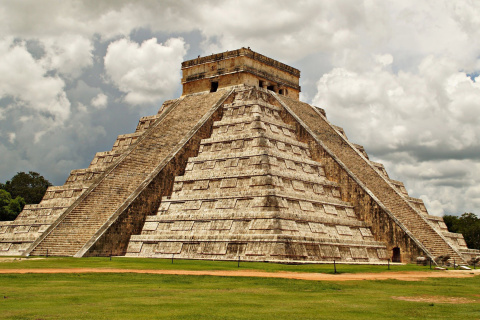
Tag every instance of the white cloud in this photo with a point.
(100, 101)
(11, 137)
(24, 79)
(146, 72)
(68, 54)
(431, 115)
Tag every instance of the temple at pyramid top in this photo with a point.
(239, 67)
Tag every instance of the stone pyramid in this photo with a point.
(236, 167)
(254, 191)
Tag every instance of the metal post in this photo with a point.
(238, 263)
(47, 253)
(430, 260)
(454, 264)
(334, 267)
(173, 254)
(388, 264)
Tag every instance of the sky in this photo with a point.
(400, 76)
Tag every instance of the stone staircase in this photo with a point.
(334, 142)
(85, 221)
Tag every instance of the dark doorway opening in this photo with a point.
(280, 91)
(271, 88)
(213, 86)
(396, 255)
(260, 83)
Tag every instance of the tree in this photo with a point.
(467, 224)
(30, 186)
(10, 208)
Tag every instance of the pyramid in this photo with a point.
(236, 168)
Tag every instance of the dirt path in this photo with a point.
(405, 276)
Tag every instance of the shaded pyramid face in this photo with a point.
(254, 191)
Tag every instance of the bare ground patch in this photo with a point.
(404, 276)
(437, 299)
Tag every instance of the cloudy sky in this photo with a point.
(399, 76)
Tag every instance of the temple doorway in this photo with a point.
(396, 257)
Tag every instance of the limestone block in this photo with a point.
(211, 248)
(221, 225)
(21, 229)
(164, 206)
(237, 144)
(201, 185)
(290, 165)
(228, 183)
(201, 226)
(168, 247)
(298, 185)
(261, 180)
(258, 248)
(230, 163)
(330, 209)
(289, 225)
(366, 232)
(306, 206)
(344, 230)
(262, 224)
(318, 189)
(208, 165)
(177, 186)
(222, 129)
(189, 166)
(382, 253)
(225, 204)
(286, 132)
(330, 251)
(150, 226)
(296, 150)
(192, 205)
(317, 227)
(336, 193)
(182, 225)
(321, 172)
(350, 212)
(135, 247)
(162, 226)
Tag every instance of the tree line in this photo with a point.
(467, 224)
(23, 188)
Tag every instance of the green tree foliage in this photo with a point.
(467, 224)
(30, 186)
(9, 207)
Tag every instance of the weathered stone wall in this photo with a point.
(239, 67)
(115, 240)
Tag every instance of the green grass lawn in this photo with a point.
(148, 296)
(148, 263)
